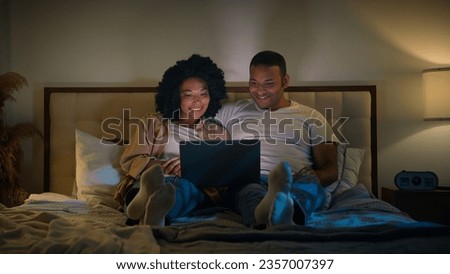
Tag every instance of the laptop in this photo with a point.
(220, 163)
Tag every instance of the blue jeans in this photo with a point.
(308, 197)
(188, 196)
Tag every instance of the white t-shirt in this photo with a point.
(176, 134)
(286, 134)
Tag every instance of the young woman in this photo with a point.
(187, 99)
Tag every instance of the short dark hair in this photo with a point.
(167, 97)
(269, 58)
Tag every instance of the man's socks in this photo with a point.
(280, 180)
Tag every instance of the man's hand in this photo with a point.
(306, 174)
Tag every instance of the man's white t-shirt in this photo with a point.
(286, 134)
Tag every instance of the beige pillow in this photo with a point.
(97, 169)
(352, 163)
(349, 163)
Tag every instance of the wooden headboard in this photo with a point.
(84, 108)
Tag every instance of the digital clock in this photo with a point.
(416, 180)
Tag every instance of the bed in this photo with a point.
(76, 213)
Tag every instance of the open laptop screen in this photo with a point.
(220, 163)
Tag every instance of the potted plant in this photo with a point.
(12, 192)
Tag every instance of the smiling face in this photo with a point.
(267, 86)
(194, 100)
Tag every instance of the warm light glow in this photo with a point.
(436, 89)
(416, 27)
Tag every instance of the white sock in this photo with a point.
(151, 180)
(280, 180)
(282, 210)
(159, 204)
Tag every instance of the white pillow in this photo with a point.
(340, 161)
(349, 162)
(350, 173)
(97, 169)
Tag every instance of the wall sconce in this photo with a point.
(436, 89)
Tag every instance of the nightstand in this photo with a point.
(423, 205)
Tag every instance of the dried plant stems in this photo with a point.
(12, 193)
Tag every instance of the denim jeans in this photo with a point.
(188, 196)
(308, 197)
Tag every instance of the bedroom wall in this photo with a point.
(115, 42)
(4, 35)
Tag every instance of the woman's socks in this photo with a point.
(280, 181)
(151, 180)
(158, 205)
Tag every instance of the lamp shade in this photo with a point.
(436, 89)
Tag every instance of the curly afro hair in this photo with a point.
(167, 97)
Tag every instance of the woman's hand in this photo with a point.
(172, 166)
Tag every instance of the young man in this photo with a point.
(298, 156)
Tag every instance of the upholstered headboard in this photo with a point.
(85, 108)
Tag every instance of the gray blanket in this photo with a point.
(356, 222)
